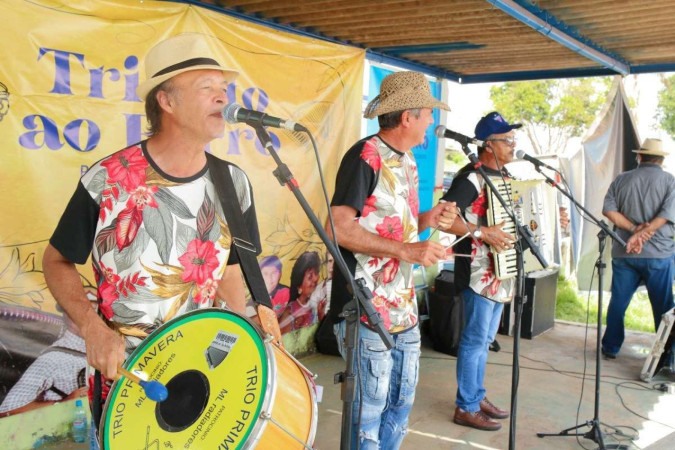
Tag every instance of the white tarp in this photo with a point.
(603, 155)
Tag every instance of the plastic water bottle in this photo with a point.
(79, 422)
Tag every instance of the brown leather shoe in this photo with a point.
(492, 410)
(478, 420)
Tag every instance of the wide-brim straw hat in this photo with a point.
(178, 54)
(652, 146)
(400, 91)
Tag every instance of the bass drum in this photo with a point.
(228, 389)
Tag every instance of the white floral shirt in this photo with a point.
(160, 244)
(382, 184)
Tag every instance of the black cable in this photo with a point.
(583, 378)
(624, 383)
(357, 344)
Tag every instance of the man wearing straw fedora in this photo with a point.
(149, 214)
(641, 205)
(377, 220)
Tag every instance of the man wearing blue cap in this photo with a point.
(482, 293)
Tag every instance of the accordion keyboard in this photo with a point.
(526, 198)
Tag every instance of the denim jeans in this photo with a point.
(387, 380)
(627, 273)
(481, 321)
(93, 436)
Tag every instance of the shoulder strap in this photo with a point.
(246, 250)
(59, 349)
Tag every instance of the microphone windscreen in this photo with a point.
(520, 154)
(230, 112)
(440, 131)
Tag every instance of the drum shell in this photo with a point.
(292, 409)
(285, 413)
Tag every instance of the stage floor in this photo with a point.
(549, 399)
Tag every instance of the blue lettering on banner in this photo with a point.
(83, 134)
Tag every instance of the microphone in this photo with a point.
(443, 132)
(235, 113)
(520, 154)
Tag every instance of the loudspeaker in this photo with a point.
(446, 314)
(539, 311)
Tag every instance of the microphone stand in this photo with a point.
(519, 295)
(595, 433)
(362, 295)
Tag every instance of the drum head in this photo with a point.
(214, 365)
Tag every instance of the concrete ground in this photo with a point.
(556, 392)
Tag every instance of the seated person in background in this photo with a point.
(57, 374)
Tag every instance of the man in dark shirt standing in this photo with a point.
(483, 294)
(377, 224)
(641, 205)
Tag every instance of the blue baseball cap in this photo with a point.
(493, 123)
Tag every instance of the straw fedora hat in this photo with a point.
(178, 54)
(652, 146)
(400, 91)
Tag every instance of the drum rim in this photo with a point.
(104, 443)
(267, 404)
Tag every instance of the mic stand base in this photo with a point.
(595, 433)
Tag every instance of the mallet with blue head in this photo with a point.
(154, 390)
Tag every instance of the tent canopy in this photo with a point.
(471, 41)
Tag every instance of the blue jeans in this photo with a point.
(481, 321)
(387, 380)
(627, 273)
(93, 437)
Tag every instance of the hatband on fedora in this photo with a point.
(652, 146)
(178, 54)
(400, 91)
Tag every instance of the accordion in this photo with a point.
(526, 198)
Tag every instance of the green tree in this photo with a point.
(665, 111)
(551, 111)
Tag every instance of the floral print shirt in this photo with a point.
(469, 191)
(381, 183)
(159, 244)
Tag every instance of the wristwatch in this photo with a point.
(477, 233)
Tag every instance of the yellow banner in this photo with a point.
(68, 82)
(69, 75)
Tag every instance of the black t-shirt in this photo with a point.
(464, 193)
(354, 183)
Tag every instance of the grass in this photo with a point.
(575, 307)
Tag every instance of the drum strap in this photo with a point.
(97, 400)
(246, 250)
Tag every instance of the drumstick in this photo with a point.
(154, 390)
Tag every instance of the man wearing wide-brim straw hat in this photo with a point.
(641, 204)
(377, 221)
(652, 147)
(401, 91)
(149, 214)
